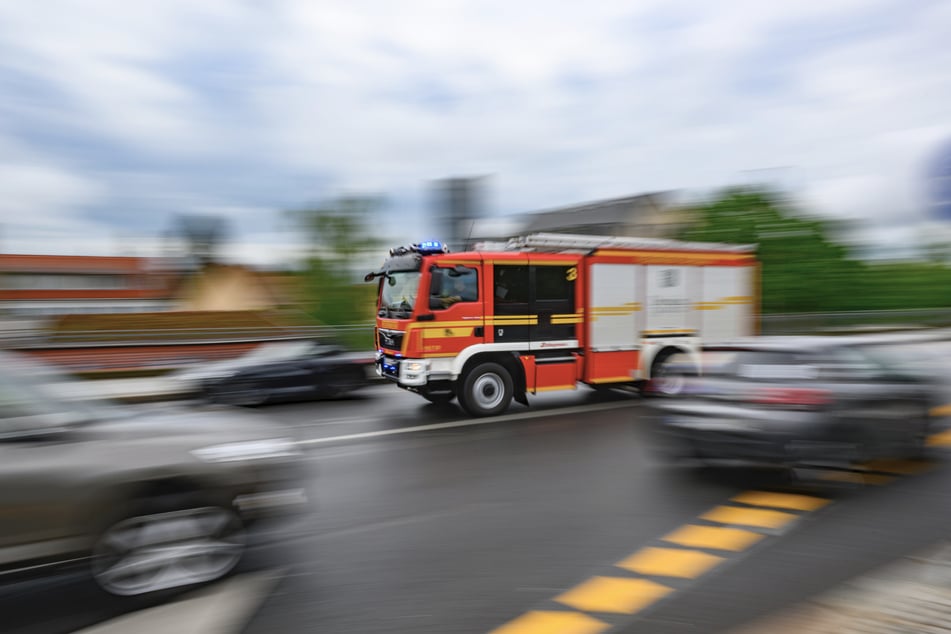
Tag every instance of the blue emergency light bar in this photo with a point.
(431, 246)
(428, 247)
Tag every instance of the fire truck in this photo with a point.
(546, 312)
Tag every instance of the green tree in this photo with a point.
(803, 270)
(339, 238)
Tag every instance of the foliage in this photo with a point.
(339, 240)
(804, 270)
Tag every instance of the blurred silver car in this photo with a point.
(146, 499)
(795, 401)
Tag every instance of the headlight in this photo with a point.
(415, 366)
(248, 450)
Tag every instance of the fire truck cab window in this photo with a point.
(511, 284)
(553, 283)
(451, 286)
(398, 294)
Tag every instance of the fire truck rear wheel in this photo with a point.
(487, 390)
(665, 381)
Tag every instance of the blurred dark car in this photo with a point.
(144, 500)
(279, 371)
(795, 401)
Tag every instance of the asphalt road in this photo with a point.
(429, 522)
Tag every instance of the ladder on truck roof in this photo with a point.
(586, 244)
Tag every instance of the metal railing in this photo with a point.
(854, 321)
(173, 336)
(794, 323)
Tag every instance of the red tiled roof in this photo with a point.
(12, 262)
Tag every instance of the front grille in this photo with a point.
(390, 339)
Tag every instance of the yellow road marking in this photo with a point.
(614, 594)
(942, 439)
(760, 518)
(714, 537)
(781, 500)
(941, 410)
(547, 622)
(670, 562)
(901, 467)
(857, 478)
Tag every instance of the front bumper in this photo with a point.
(729, 443)
(406, 372)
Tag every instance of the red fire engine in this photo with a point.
(548, 311)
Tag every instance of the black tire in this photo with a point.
(345, 382)
(207, 546)
(664, 382)
(486, 390)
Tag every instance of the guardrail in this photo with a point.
(854, 321)
(173, 336)
(793, 323)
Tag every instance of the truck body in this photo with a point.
(546, 312)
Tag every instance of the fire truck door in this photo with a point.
(553, 301)
(511, 316)
(534, 303)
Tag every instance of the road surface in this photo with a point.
(555, 518)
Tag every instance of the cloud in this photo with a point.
(148, 109)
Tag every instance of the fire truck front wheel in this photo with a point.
(486, 390)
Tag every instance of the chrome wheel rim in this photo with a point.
(167, 550)
(667, 383)
(488, 391)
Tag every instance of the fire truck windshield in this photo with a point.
(399, 293)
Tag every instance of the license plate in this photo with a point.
(390, 367)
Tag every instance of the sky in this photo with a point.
(115, 116)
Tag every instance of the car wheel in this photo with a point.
(346, 382)
(486, 390)
(145, 553)
(664, 381)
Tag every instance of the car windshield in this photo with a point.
(399, 293)
(767, 365)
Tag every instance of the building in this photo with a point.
(44, 285)
(645, 216)
(233, 287)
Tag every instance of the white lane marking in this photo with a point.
(562, 411)
(338, 421)
(407, 520)
(224, 608)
